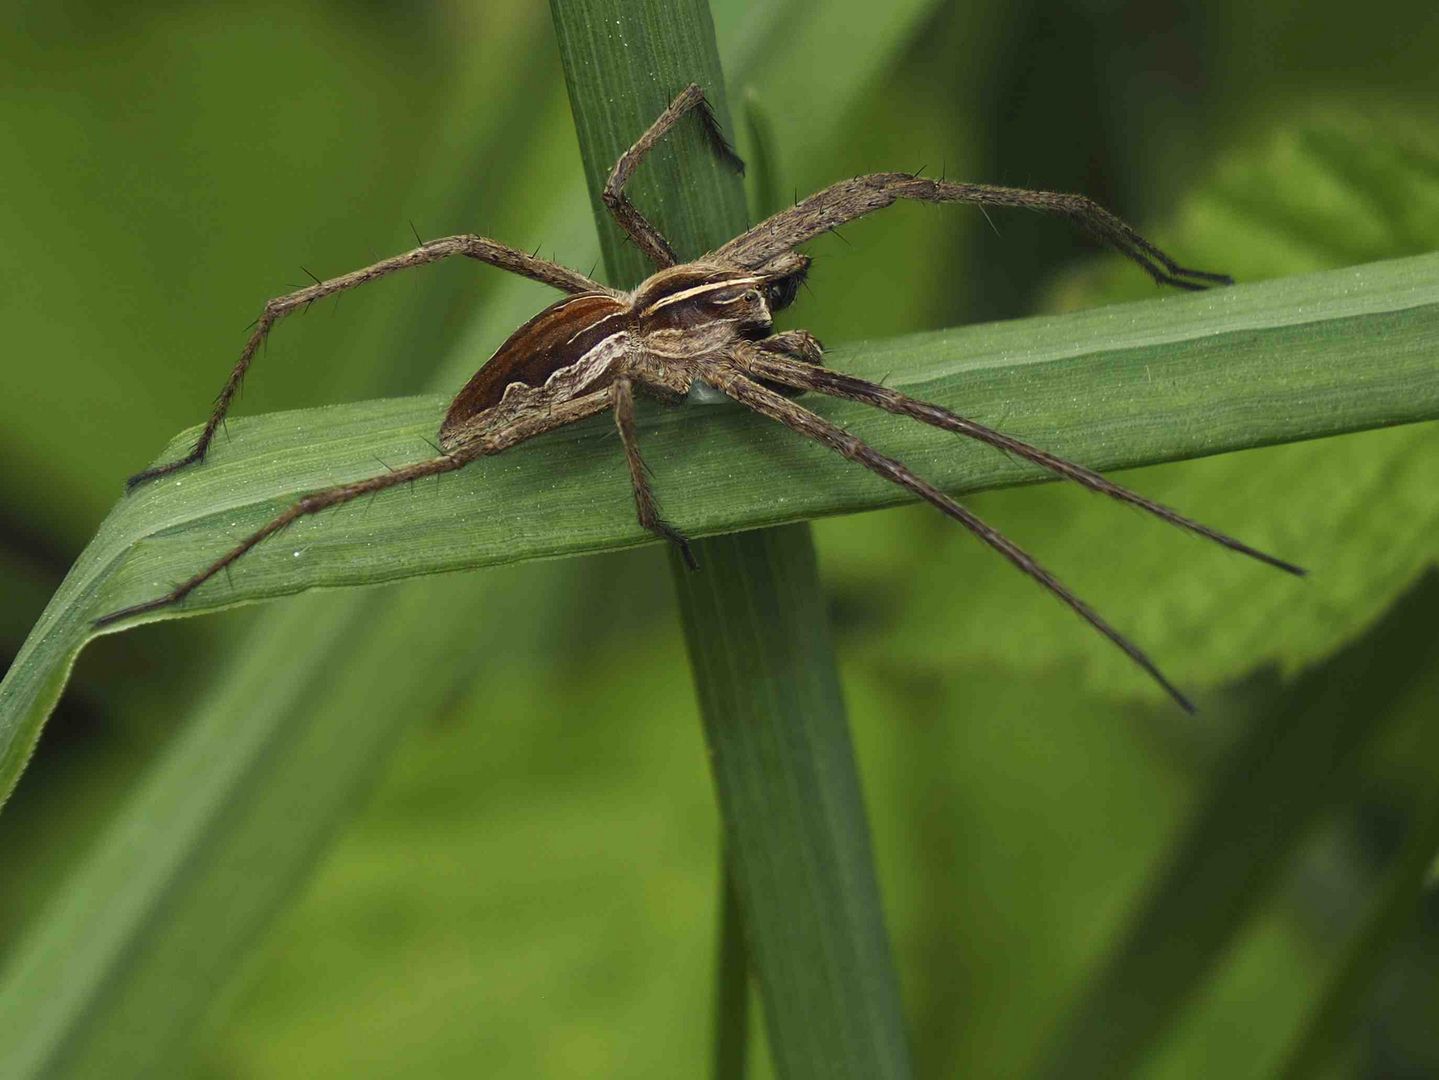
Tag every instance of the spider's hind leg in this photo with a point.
(305, 506)
(473, 441)
(649, 239)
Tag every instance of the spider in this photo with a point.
(691, 331)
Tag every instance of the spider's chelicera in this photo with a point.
(695, 329)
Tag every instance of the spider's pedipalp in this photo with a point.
(794, 345)
(728, 377)
(838, 384)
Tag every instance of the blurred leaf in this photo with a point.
(1360, 512)
(1016, 820)
(1261, 803)
(1320, 188)
(79, 998)
(535, 872)
(1390, 920)
(104, 109)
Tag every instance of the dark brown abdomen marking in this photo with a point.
(555, 338)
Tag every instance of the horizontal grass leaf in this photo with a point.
(1115, 387)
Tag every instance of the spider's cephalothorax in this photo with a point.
(693, 330)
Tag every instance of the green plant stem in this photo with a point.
(731, 1035)
(754, 616)
(792, 807)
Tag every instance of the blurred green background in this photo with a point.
(529, 889)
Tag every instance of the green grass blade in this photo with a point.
(731, 1020)
(754, 617)
(1159, 380)
(793, 810)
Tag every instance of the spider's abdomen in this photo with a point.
(560, 336)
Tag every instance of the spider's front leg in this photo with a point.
(622, 394)
(649, 239)
(849, 200)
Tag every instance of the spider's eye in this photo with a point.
(780, 292)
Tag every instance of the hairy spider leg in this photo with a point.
(850, 199)
(649, 238)
(837, 384)
(645, 504)
(483, 444)
(469, 245)
(727, 377)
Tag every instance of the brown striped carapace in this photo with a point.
(698, 329)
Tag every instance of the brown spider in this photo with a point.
(689, 331)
